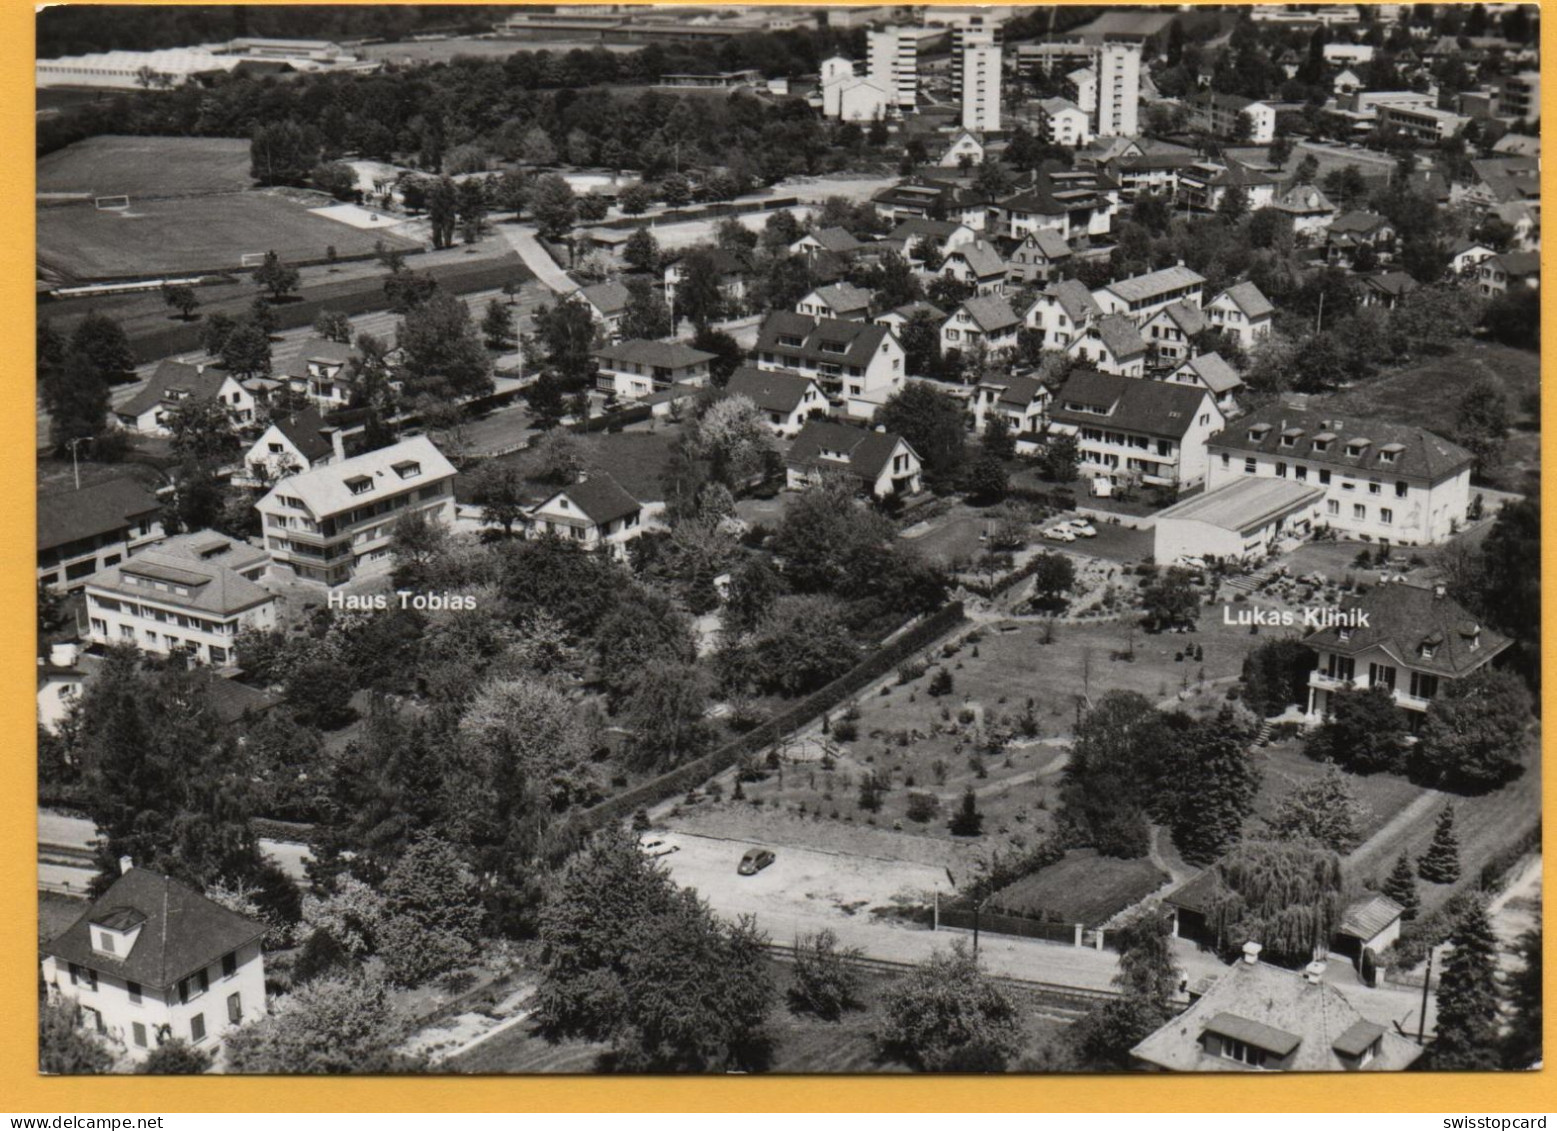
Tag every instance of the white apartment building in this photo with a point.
(1118, 70)
(1390, 483)
(893, 55)
(1127, 429)
(325, 525)
(193, 594)
(1141, 296)
(857, 365)
(981, 88)
(1062, 122)
(152, 960)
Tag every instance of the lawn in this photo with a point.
(636, 459)
(147, 167)
(1284, 767)
(1083, 888)
(157, 237)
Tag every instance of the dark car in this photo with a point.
(755, 860)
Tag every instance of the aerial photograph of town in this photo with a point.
(788, 539)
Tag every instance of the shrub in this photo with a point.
(941, 682)
(923, 807)
(846, 730)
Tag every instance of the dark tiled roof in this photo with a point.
(304, 430)
(1255, 1033)
(1363, 223)
(991, 313)
(722, 260)
(601, 498)
(1518, 263)
(1214, 371)
(982, 259)
(1421, 454)
(836, 240)
(1249, 298)
(608, 298)
(1199, 894)
(1403, 618)
(1391, 283)
(197, 384)
(868, 452)
(1121, 337)
(772, 390)
(1016, 391)
(103, 508)
(182, 931)
(860, 340)
(1367, 917)
(919, 227)
(1155, 408)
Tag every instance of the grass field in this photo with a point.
(206, 234)
(1082, 888)
(147, 166)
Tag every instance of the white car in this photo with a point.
(654, 846)
(1060, 534)
(1081, 528)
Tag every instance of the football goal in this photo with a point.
(112, 203)
(252, 259)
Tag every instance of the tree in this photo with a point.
(1053, 577)
(442, 211)
(497, 326)
(998, 440)
(733, 435)
(635, 200)
(822, 530)
(1481, 424)
(968, 821)
(1286, 894)
(201, 431)
(440, 350)
(932, 423)
(77, 399)
(182, 298)
(536, 148)
(333, 325)
(801, 645)
(632, 960)
(432, 914)
(827, 982)
(245, 351)
(65, 1047)
(1217, 786)
(1522, 1045)
(1401, 887)
(641, 252)
(105, 345)
(283, 153)
(1362, 731)
(176, 1057)
(1440, 864)
(276, 277)
(331, 1026)
(1275, 675)
(646, 315)
(553, 204)
(1325, 811)
(1105, 1035)
(1149, 979)
(471, 208)
(566, 330)
(921, 338)
(1060, 461)
(988, 482)
(666, 715)
(1474, 734)
(498, 489)
(1234, 205)
(1468, 996)
(1170, 600)
(946, 1016)
(728, 354)
(675, 191)
(698, 297)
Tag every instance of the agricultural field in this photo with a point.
(157, 237)
(147, 167)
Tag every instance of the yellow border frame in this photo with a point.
(22, 1090)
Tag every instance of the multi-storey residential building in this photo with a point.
(983, 323)
(1243, 312)
(1422, 123)
(292, 443)
(786, 400)
(1168, 333)
(1062, 312)
(1224, 115)
(1409, 641)
(1118, 70)
(1062, 122)
(1392, 483)
(981, 87)
(1151, 431)
(175, 383)
(326, 525)
(152, 960)
(1141, 296)
(882, 462)
(596, 512)
(858, 365)
(81, 532)
(638, 368)
(191, 594)
(1519, 96)
(970, 27)
(1205, 185)
(894, 62)
(1069, 202)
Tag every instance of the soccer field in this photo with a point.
(147, 166)
(157, 237)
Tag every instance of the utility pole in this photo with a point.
(1427, 985)
(75, 467)
(1319, 322)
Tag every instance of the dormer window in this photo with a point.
(1258, 433)
(1343, 634)
(1290, 437)
(359, 484)
(408, 469)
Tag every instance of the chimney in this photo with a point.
(64, 655)
(1439, 592)
(337, 442)
(1314, 972)
(125, 864)
(1251, 952)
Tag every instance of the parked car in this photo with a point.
(1060, 534)
(1081, 528)
(755, 860)
(656, 846)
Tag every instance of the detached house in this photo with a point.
(835, 241)
(639, 368)
(1211, 372)
(1310, 209)
(1020, 400)
(1351, 231)
(1062, 312)
(1205, 185)
(597, 513)
(858, 365)
(327, 524)
(1407, 640)
(943, 235)
(1385, 289)
(786, 400)
(1039, 257)
(1391, 482)
(883, 462)
(152, 960)
(1141, 296)
(296, 442)
(1509, 271)
(734, 272)
(978, 265)
(838, 300)
(81, 532)
(175, 383)
(321, 372)
(1243, 312)
(1113, 345)
(1071, 202)
(1168, 333)
(1154, 431)
(607, 303)
(901, 316)
(987, 322)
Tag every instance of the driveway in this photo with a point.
(522, 239)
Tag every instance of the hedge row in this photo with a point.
(686, 777)
(706, 212)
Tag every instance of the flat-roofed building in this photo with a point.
(1239, 522)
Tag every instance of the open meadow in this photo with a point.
(141, 167)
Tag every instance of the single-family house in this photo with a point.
(964, 147)
(1169, 331)
(1072, 202)
(1350, 231)
(1395, 484)
(901, 316)
(595, 513)
(1211, 372)
(984, 322)
(322, 372)
(607, 303)
(882, 462)
(1385, 289)
(858, 365)
(1205, 185)
(785, 399)
(291, 443)
(1062, 312)
(638, 368)
(916, 231)
(152, 960)
(63, 669)
(1309, 208)
(1019, 399)
(1154, 432)
(836, 300)
(1242, 312)
(1466, 257)
(1512, 270)
(733, 270)
(81, 532)
(834, 241)
(175, 383)
(1113, 345)
(977, 265)
(1039, 257)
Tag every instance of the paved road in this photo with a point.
(76, 834)
(521, 237)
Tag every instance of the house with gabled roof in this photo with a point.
(1393, 483)
(943, 235)
(1126, 429)
(1038, 257)
(785, 399)
(1407, 640)
(932, 198)
(858, 365)
(153, 960)
(1113, 345)
(321, 371)
(640, 367)
(1310, 209)
(1072, 202)
(1141, 296)
(1511, 270)
(1243, 312)
(963, 144)
(836, 241)
(977, 265)
(1257, 1017)
(882, 462)
(983, 322)
(733, 268)
(1205, 184)
(1062, 312)
(595, 513)
(1020, 399)
(1168, 333)
(898, 317)
(1062, 122)
(607, 303)
(836, 300)
(1386, 289)
(1350, 231)
(1466, 255)
(1211, 372)
(295, 442)
(174, 383)
(80, 532)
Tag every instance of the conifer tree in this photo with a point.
(1401, 887)
(968, 821)
(1440, 864)
(1468, 996)
(1522, 1045)
(1217, 791)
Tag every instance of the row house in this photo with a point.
(836, 300)
(83, 531)
(1392, 483)
(1168, 333)
(786, 400)
(883, 463)
(1038, 257)
(176, 383)
(858, 365)
(977, 265)
(1143, 295)
(1243, 312)
(190, 595)
(1020, 400)
(1409, 641)
(1112, 344)
(152, 960)
(596, 513)
(1154, 432)
(1062, 312)
(639, 368)
(986, 323)
(1211, 372)
(326, 525)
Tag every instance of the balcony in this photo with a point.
(1323, 682)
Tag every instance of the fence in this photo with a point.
(965, 918)
(781, 726)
